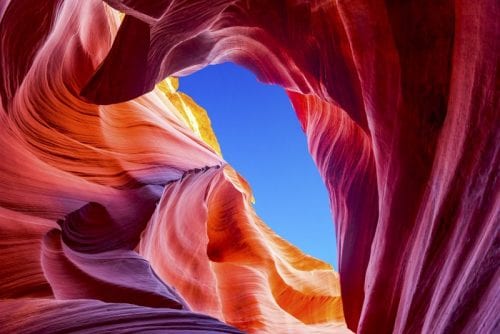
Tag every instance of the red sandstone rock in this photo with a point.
(410, 156)
(399, 102)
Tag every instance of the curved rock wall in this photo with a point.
(114, 195)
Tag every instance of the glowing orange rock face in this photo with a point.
(205, 239)
(118, 213)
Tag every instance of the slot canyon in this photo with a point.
(119, 214)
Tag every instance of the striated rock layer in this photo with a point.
(118, 213)
(125, 217)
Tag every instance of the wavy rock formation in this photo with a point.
(118, 213)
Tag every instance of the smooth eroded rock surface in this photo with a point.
(118, 213)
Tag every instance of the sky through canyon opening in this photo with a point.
(261, 137)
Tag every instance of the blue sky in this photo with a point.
(261, 138)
